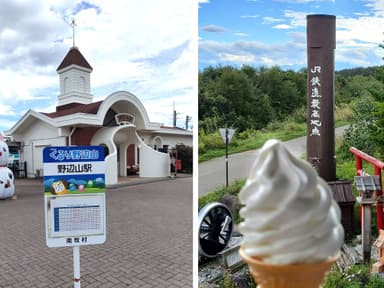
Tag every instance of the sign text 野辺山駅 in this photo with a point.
(74, 195)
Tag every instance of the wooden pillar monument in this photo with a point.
(321, 44)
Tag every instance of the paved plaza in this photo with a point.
(149, 240)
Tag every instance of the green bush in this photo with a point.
(343, 112)
(378, 131)
(185, 154)
(359, 133)
(217, 195)
(355, 276)
(211, 141)
(249, 133)
(299, 115)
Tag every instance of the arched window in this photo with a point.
(109, 119)
(82, 84)
(67, 85)
(157, 143)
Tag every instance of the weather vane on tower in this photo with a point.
(73, 24)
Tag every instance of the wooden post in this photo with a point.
(379, 206)
(321, 44)
(366, 232)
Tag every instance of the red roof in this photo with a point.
(73, 108)
(74, 57)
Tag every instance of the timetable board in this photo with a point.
(74, 195)
(76, 216)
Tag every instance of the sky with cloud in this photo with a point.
(148, 48)
(273, 32)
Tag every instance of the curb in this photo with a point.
(141, 181)
(132, 182)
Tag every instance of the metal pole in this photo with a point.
(366, 241)
(76, 266)
(226, 156)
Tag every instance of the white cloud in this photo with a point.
(237, 58)
(282, 26)
(377, 6)
(356, 56)
(364, 29)
(271, 20)
(213, 28)
(296, 18)
(20, 85)
(202, 2)
(267, 61)
(128, 43)
(240, 34)
(358, 36)
(254, 53)
(6, 110)
(250, 16)
(6, 122)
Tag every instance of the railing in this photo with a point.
(378, 166)
(19, 169)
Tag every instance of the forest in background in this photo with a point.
(255, 99)
(250, 98)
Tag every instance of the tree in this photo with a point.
(245, 107)
(285, 90)
(359, 133)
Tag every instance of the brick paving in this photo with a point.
(149, 240)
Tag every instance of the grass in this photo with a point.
(217, 195)
(212, 145)
(355, 276)
(250, 140)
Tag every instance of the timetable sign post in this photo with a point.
(74, 195)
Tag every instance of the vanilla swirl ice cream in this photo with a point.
(289, 214)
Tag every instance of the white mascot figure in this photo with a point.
(4, 153)
(7, 184)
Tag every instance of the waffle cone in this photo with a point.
(306, 275)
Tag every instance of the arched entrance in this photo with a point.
(118, 139)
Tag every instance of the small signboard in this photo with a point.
(231, 132)
(74, 195)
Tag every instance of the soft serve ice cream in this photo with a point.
(289, 214)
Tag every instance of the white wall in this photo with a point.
(38, 136)
(75, 86)
(168, 139)
(173, 140)
(153, 163)
(105, 136)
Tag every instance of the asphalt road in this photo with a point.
(212, 172)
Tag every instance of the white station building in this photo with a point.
(120, 123)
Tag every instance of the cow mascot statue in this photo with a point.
(7, 185)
